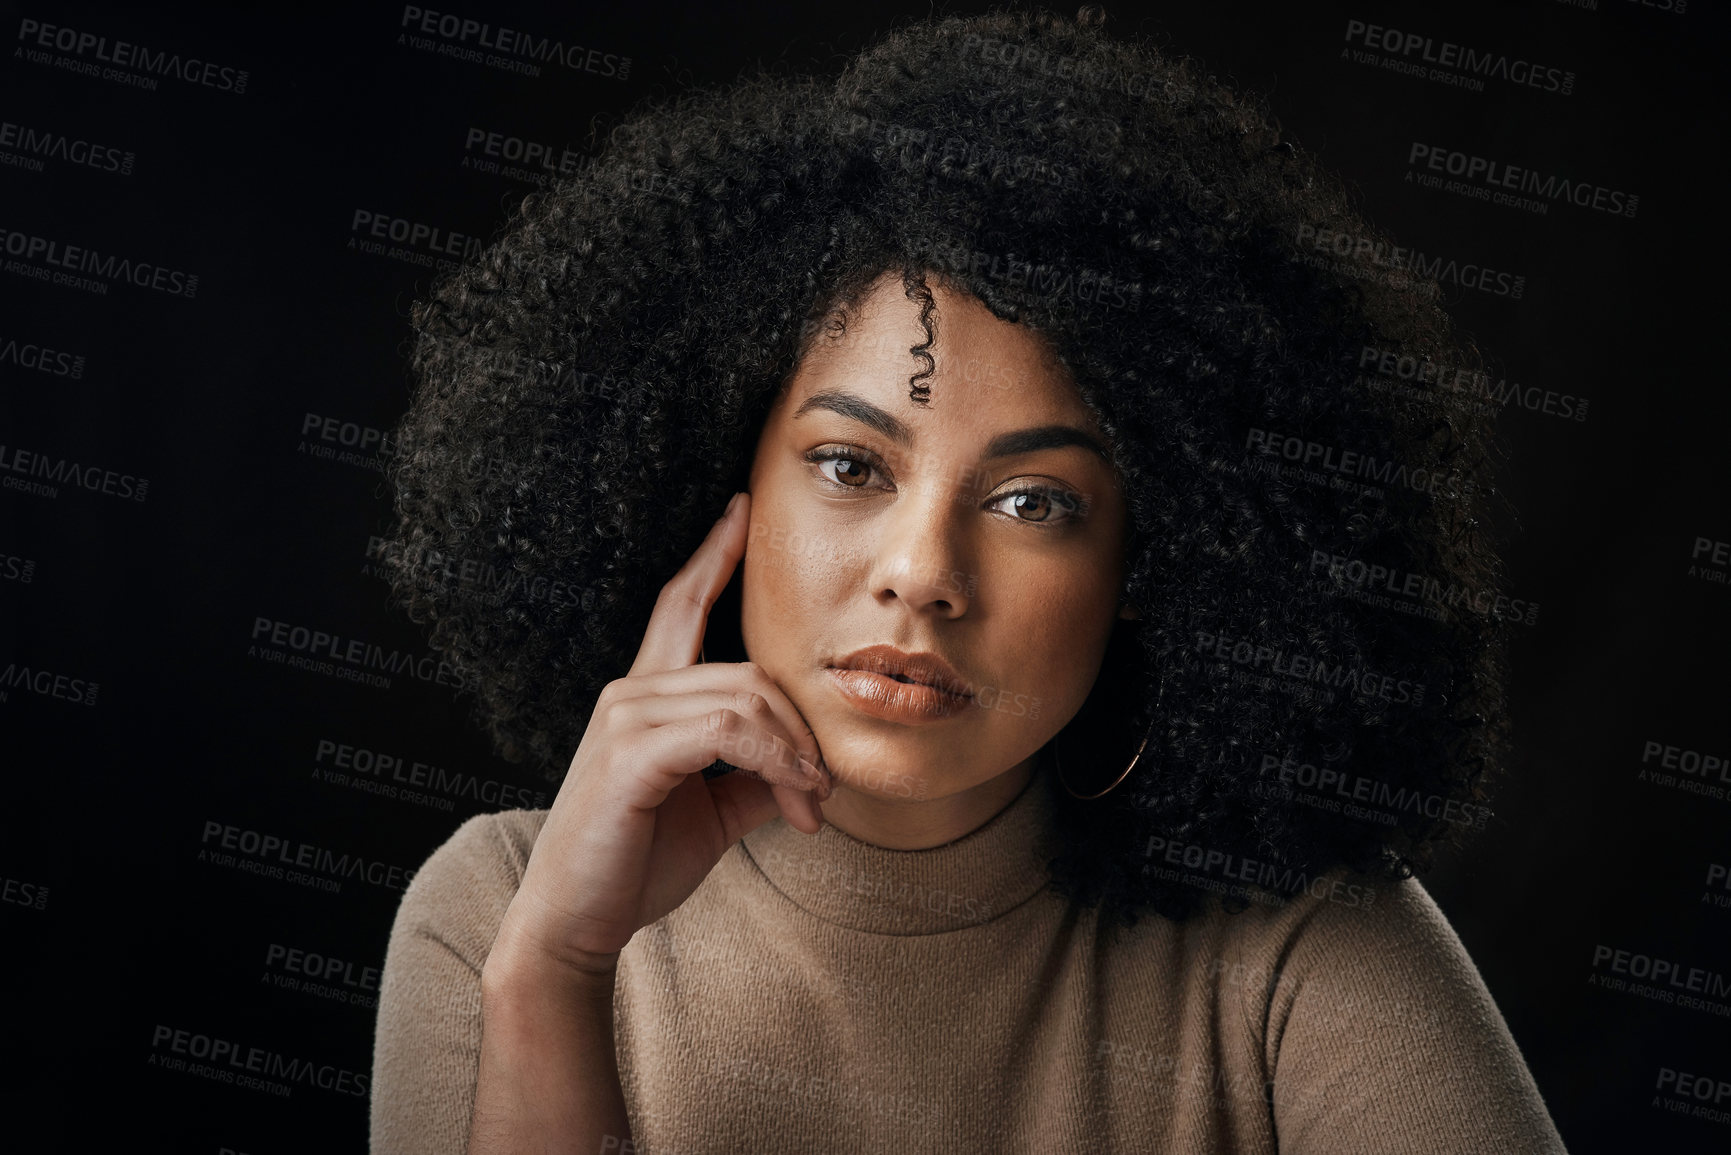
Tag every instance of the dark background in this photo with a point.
(119, 923)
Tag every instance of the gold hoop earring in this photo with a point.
(1058, 766)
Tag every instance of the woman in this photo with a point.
(1022, 761)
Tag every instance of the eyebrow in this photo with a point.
(1003, 445)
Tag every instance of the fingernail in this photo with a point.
(816, 776)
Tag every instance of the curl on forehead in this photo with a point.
(921, 297)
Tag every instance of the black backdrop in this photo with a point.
(202, 339)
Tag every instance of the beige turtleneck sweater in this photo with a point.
(821, 994)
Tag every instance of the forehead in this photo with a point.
(987, 373)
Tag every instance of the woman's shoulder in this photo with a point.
(1367, 1007)
(1354, 963)
(1344, 909)
(486, 847)
(460, 893)
(1353, 942)
(1345, 931)
(1335, 911)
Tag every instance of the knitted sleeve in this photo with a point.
(1380, 1037)
(427, 1045)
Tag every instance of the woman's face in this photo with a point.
(981, 528)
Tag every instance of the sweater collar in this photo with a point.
(842, 880)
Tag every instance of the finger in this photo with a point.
(661, 709)
(664, 756)
(745, 803)
(802, 808)
(674, 636)
(658, 699)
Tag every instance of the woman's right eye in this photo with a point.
(852, 467)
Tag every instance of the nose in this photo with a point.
(924, 555)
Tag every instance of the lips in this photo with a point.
(924, 669)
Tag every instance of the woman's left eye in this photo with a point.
(1042, 502)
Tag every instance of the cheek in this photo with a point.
(760, 588)
(795, 560)
(1056, 644)
(772, 578)
(789, 578)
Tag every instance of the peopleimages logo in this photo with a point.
(383, 555)
(1718, 555)
(58, 471)
(1458, 59)
(47, 684)
(270, 854)
(1493, 176)
(1413, 263)
(1661, 979)
(121, 54)
(324, 967)
(1228, 867)
(365, 446)
(413, 242)
(1347, 788)
(1356, 465)
(41, 358)
(1391, 365)
(1085, 285)
(920, 149)
(396, 774)
(1304, 668)
(447, 34)
(1692, 771)
(227, 1061)
(531, 154)
(1419, 589)
(1077, 71)
(96, 269)
(1700, 1088)
(17, 892)
(17, 569)
(36, 145)
(353, 659)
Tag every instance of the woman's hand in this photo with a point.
(635, 826)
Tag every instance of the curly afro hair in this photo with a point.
(1318, 670)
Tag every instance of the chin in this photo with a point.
(890, 786)
(870, 769)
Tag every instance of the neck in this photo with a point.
(920, 824)
(971, 880)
